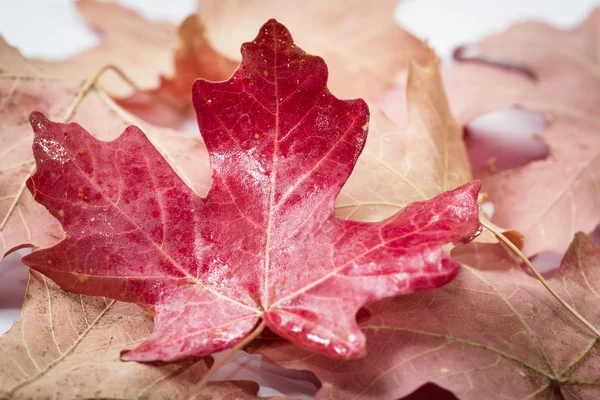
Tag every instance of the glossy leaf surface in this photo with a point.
(264, 243)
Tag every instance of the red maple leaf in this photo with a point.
(265, 242)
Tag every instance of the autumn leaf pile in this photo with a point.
(326, 218)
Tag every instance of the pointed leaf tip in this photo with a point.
(474, 186)
(38, 121)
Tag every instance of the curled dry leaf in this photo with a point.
(553, 72)
(23, 222)
(363, 65)
(160, 61)
(264, 243)
(67, 346)
(168, 103)
(492, 325)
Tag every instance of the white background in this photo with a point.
(53, 29)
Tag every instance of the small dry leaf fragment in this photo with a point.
(264, 243)
(160, 59)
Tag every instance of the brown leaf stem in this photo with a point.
(539, 276)
(137, 89)
(13, 205)
(253, 335)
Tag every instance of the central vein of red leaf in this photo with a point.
(266, 299)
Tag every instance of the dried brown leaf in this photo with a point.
(554, 72)
(493, 333)
(67, 346)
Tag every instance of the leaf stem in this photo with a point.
(539, 276)
(139, 90)
(240, 345)
(14, 203)
(90, 84)
(123, 76)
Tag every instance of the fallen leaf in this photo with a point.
(264, 243)
(67, 346)
(362, 45)
(558, 62)
(23, 222)
(553, 72)
(493, 333)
